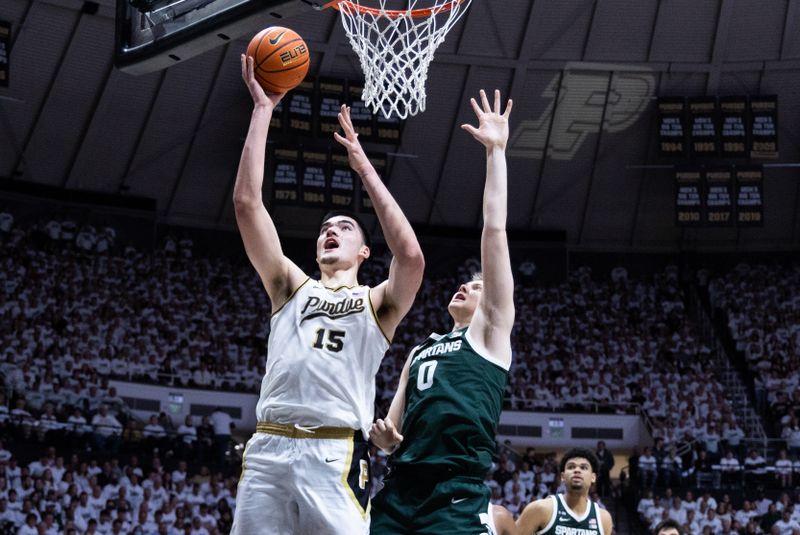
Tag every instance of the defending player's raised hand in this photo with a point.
(384, 434)
(355, 154)
(492, 128)
(260, 97)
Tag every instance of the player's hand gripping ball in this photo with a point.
(280, 59)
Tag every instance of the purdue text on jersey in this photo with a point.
(316, 307)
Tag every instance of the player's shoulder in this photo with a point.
(503, 520)
(605, 520)
(535, 516)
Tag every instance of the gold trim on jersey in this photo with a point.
(343, 286)
(294, 292)
(345, 473)
(375, 316)
(293, 431)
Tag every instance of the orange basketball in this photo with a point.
(281, 58)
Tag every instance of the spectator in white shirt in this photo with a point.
(76, 423)
(745, 514)
(783, 470)
(711, 521)
(29, 528)
(730, 469)
(180, 473)
(660, 519)
(755, 467)
(791, 433)
(654, 513)
(222, 423)
(786, 526)
(732, 434)
(153, 429)
(692, 524)
(107, 430)
(187, 434)
(8, 515)
(677, 512)
(207, 520)
(648, 468)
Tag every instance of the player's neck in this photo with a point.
(577, 501)
(339, 277)
(460, 319)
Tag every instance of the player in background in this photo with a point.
(306, 469)
(573, 510)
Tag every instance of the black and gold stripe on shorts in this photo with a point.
(293, 431)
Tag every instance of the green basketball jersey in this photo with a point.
(453, 400)
(564, 521)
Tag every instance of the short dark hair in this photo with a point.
(575, 453)
(354, 217)
(669, 523)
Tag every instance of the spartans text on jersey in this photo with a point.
(566, 530)
(438, 349)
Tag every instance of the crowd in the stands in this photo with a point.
(760, 304)
(78, 309)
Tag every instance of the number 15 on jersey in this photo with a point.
(329, 339)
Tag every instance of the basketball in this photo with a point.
(281, 59)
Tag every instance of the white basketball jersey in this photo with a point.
(324, 350)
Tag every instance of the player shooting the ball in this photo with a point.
(306, 468)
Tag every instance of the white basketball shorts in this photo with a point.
(303, 482)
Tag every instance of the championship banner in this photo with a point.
(301, 108)
(331, 96)
(703, 126)
(671, 126)
(378, 161)
(764, 127)
(5, 52)
(342, 182)
(749, 195)
(314, 179)
(359, 113)
(285, 188)
(719, 196)
(733, 129)
(688, 201)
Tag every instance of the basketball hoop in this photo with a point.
(395, 48)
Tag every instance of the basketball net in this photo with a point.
(395, 48)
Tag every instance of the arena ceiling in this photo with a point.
(584, 75)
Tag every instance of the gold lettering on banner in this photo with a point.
(762, 106)
(756, 175)
(688, 217)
